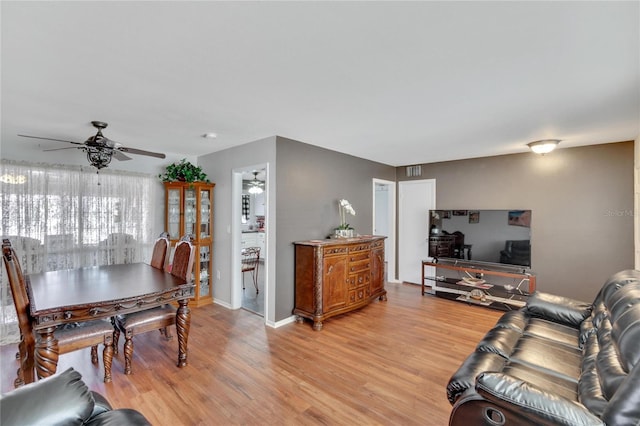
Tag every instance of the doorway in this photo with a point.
(251, 281)
(415, 199)
(384, 222)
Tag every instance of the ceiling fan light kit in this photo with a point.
(255, 186)
(99, 149)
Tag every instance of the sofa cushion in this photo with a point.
(62, 399)
(550, 382)
(558, 308)
(560, 333)
(548, 356)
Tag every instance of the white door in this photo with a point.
(416, 198)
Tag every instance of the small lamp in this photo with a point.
(544, 146)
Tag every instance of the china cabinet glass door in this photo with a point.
(205, 213)
(174, 204)
(204, 270)
(190, 212)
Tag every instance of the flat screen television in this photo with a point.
(495, 236)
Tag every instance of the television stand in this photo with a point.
(498, 286)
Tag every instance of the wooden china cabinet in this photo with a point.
(189, 210)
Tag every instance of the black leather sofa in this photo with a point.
(62, 399)
(557, 361)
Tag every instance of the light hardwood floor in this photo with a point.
(385, 364)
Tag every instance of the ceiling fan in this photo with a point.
(256, 186)
(99, 149)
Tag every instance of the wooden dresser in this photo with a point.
(337, 276)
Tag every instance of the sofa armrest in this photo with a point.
(60, 399)
(517, 395)
(101, 404)
(559, 309)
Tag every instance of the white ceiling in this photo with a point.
(395, 82)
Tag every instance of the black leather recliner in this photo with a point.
(557, 361)
(62, 399)
(516, 252)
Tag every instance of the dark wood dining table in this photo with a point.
(76, 295)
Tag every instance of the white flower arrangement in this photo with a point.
(344, 207)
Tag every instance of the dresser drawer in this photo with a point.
(359, 247)
(358, 295)
(358, 256)
(335, 250)
(359, 280)
(362, 265)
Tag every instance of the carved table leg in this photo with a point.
(47, 353)
(383, 297)
(183, 323)
(317, 325)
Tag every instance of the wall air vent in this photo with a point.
(413, 171)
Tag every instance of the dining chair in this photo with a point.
(250, 263)
(155, 318)
(70, 336)
(159, 256)
(159, 260)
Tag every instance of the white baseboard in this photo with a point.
(224, 304)
(280, 323)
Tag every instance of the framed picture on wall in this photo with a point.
(474, 216)
(520, 218)
(459, 212)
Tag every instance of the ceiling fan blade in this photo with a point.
(66, 147)
(120, 156)
(141, 152)
(51, 139)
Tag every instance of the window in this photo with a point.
(61, 217)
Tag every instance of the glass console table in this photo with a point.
(504, 287)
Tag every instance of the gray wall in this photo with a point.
(310, 182)
(581, 201)
(219, 166)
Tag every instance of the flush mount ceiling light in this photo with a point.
(209, 136)
(544, 146)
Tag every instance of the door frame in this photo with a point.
(390, 247)
(236, 238)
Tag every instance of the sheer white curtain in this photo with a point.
(60, 217)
